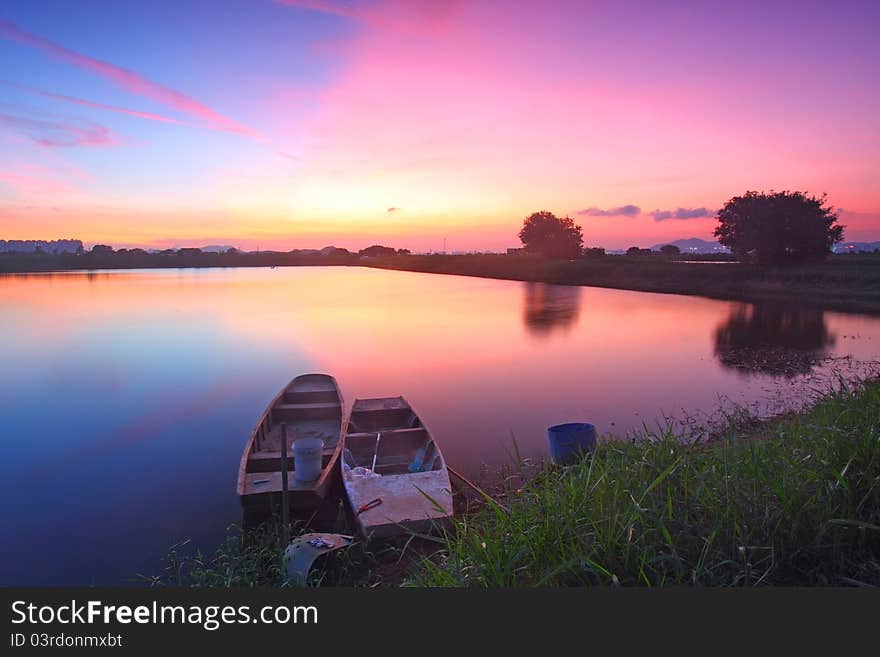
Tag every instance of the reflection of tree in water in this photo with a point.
(548, 307)
(765, 338)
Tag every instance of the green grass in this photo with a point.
(843, 282)
(797, 505)
(253, 558)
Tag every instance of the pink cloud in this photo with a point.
(57, 134)
(30, 179)
(458, 105)
(290, 156)
(128, 80)
(491, 124)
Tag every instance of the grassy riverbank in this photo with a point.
(796, 503)
(791, 501)
(844, 282)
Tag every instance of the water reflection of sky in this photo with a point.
(126, 397)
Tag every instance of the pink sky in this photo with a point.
(409, 122)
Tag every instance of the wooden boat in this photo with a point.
(311, 407)
(385, 437)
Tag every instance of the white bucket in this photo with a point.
(307, 458)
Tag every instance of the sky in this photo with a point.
(280, 124)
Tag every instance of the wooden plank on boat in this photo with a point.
(380, 404)
(413, 480)
(282, 412)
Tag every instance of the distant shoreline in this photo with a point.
(90, 261)
(846, 283)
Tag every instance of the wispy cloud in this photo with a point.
(60, 134)
(325, 7)
(411, 16)
(88, 103)
(289, 156)
(393, 209)
(127, 79)
(682, 213)
(659, 215)
(621, 211)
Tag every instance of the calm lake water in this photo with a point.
(126, 397)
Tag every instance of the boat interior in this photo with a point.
(311, 408)
(391, 432)
(370, 415)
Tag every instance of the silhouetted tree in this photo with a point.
(546, 234)
(779, 227)
(670, 250)
(377, 250)
(102, 249)
(403, 252)
(634, 251)
(594, 252)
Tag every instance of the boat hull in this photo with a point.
(309, 406)
(391, 457)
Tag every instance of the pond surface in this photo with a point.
(126, 397)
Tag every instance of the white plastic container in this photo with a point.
(307, 459)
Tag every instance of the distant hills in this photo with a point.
(687, 245)
(857, 247)
(694, 245)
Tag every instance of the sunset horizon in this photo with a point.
(304, 123)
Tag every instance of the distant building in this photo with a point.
(41, 246)
(856, 247)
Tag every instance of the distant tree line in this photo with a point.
(377, 251)
(771, 229)
(103, 256)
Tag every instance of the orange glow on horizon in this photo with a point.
(407, 123)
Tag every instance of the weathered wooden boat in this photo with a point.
(393, 472)
(311, 407)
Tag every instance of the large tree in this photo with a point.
(779, 227)
(550, 236)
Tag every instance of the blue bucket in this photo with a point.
(571, 441)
